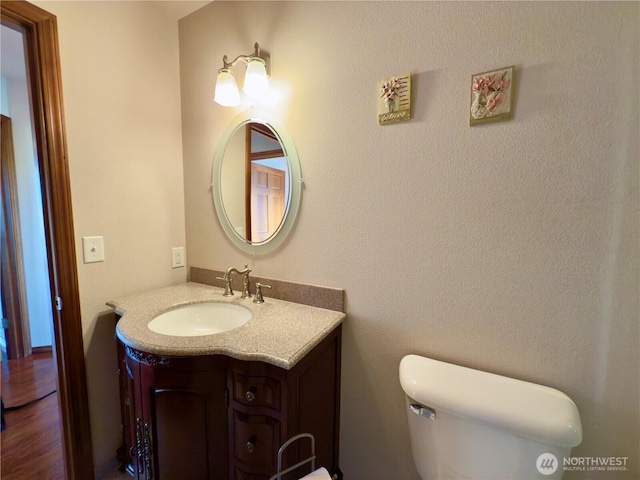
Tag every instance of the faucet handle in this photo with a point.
(258, 298)
(228, 292)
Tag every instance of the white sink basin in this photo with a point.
(200, 319)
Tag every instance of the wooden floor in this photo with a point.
(31, 442)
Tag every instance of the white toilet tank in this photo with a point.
(485, 426)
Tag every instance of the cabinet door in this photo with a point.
(127, 454)
(132, 418)
(318, 405)
(187, 414)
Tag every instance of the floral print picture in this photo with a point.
(491, 98)
(394, 103)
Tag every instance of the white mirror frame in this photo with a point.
(291, 153)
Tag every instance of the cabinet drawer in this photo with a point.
(240, 475)
(256, 390)
(256, 439)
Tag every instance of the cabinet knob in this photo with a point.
(251, 447)
(250, 395)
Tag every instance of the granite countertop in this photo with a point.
(280, 333)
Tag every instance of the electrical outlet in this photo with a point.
(177, 256)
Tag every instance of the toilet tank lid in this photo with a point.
(526, 409)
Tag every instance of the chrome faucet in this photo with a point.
(228, 291)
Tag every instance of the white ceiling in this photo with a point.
(178, 9)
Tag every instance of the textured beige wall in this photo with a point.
(120, 76)
(510, 247)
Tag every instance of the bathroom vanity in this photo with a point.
(219, 406)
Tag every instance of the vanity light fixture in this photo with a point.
(256, 83)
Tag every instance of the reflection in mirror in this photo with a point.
(255, 159)
(257, 182)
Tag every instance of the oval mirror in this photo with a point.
(256, 182)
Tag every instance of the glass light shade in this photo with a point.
(256, 83)
(227, 93)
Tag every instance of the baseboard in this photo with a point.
(44, 349)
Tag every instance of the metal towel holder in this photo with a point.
(311, 459)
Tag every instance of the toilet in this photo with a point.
(469, 424)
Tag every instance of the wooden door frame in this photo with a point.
(45, 84)
(13, 297)
(247, 182)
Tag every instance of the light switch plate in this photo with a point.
(93, 249)
(177, 257)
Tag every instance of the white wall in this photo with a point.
(120, 77)
(32, 238)
(509, 247)
(4, 99)
(34, 249)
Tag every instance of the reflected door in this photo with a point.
(267, 201)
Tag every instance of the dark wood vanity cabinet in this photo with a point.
(174, 416)
(215, 417)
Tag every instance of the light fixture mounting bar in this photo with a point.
(244, 58)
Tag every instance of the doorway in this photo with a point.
(29, 395)
(39, 30)
(266, 183)
(22, 202)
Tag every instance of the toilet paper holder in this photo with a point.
(311, 459)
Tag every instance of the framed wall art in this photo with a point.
(491, 96)
(394, 104)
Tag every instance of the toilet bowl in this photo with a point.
(469, 424)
